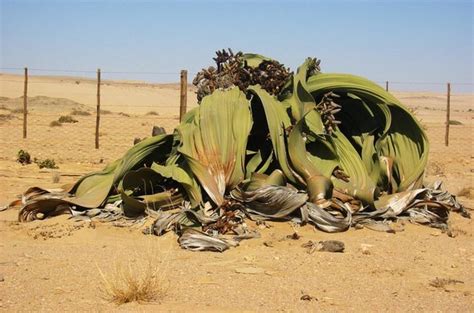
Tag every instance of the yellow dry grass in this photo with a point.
(142, 278)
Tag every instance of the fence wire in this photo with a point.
(61, 120)
(130, 109)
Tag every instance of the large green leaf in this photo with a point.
(92, 190)
(318, 185)
(254, 60)
(214, 144)
(300, 101)
(278, 122)
(183, 177)
(403, 139)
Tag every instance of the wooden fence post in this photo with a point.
(184, 94)
(448, 109)
(25, 104)
(386, 85)
(98, 111)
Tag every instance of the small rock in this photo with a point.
(2, 278)
(452, 234)
(157, 130)
(307, 297)
(365, 251)
(268, 244)
(294, 236)
(365, 248)
(331, 246)
(324, 246)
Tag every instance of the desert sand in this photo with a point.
(55, 265)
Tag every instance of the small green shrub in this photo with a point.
(454, 122)
(152, 113)
(105, 112)
(67, 119)
(23, 157)
(46, 163)
(80, 113)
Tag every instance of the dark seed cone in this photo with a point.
(328, 109)
(232, 70)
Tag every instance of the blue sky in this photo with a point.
(405, 41)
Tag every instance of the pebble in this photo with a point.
(365, 248)
(268, 244)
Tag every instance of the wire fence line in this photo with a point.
(130, 109)
(176, 73)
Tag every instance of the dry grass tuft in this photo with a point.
(444, 282)
(142, 279)
(56, 177)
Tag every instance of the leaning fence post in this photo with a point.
(448, 109)
(25, 104)
(98, 111)
(184, 94)
(386, 85)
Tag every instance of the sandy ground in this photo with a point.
(55, 265)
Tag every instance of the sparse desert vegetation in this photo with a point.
(67, 119)
(80, 113)
(45, 163)
(23, 157)
(143, 279)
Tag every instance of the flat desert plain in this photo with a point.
(57, 264)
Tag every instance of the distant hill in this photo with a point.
(43, 104)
